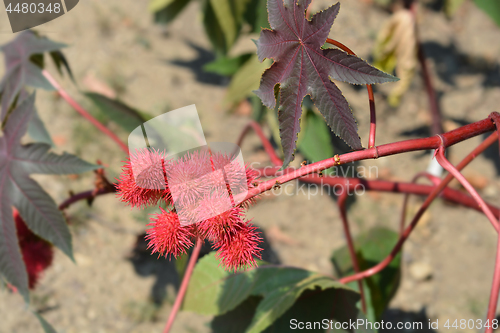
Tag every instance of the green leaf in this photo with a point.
(213, 291)
(451, 6)
(256, 15)
(214, 30)
(384, 3)
(371, 248)
(227, 66)
(245, 80)
(272, 121)
(210, 286)
(258, 109)
(490, 7)
(312, 306)
(47, 328)
(125, 116)
(157, 5)
(38, 60)
(280, 296)
(223, 20)
(181, 265)
(238, 319)
(60, 61)
(316, 305)
(227, 21)
(166, 11)
(314, 141)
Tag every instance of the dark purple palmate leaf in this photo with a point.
(20, 71)
(301, 67)
(19, 190)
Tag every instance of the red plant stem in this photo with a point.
(184, 285)
(304, 173)
(268, 147)
(84, 196)
(373, 117)
(492, 305)
(453, 171)
(83, 112)
(435, 192)
(449, 139)
(376, 185)
(349, 183)
(433, 179)
(437, 126)
(495, 289)
(350, 245)
(371, 98)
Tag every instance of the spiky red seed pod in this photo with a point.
(167, 236)
(222, 225)
(234, 171)
(191, 177)
(240, 249)
(252, 176)
(240, 178)
(204, 195)
(142, 181)
(37, 253)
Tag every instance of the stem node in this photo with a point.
(336, 158)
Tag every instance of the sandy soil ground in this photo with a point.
(115, 42)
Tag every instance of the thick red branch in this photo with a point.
(447, 139)
(495, 285)
(306, 173)
(85, 196)
(184, 284)
(350, 184)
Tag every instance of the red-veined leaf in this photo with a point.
(301, 67)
